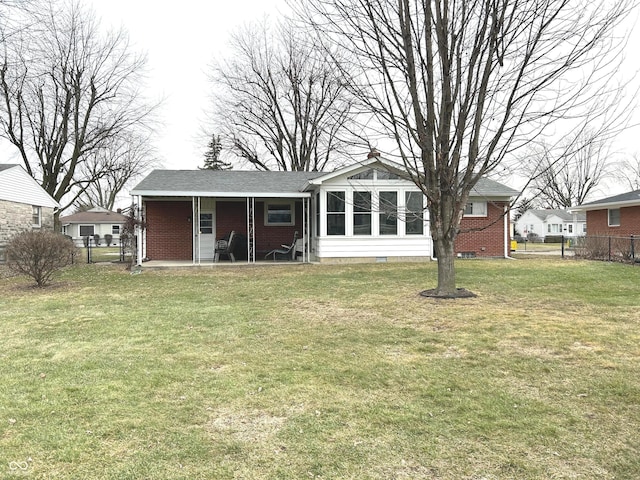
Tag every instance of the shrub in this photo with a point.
(96, 239)
(39, 254)
(108, 238)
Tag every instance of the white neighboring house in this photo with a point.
(24, 204)
(96, 221)
(544, 222)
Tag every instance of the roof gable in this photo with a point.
(16, 185)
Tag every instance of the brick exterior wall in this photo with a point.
(233, 216)
(17, 217)
(169, 230)
(488, 242)
(598, 222)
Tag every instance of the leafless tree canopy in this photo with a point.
(567, 176)
(461, 85)
(628, 172)
(66, 91)
(114, 165)
(279, 100)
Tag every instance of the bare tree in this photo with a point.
(566, 177)
(118, 162)
(66, 91)
(628, 172)
(279, 101)
(461, 85)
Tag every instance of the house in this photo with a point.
(618, 215)
(96, 221)
(24, 204)
(544, 222)
(368, 211)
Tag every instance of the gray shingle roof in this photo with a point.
(487, 187)
(228, 182)
(622, 198)
(7, 166)
(565, 215)
(258, 183)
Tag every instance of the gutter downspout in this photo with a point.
(139, 231)
(507, 247)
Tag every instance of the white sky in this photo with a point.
(181, 40)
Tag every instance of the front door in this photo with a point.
(207, 237)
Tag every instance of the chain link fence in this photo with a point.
(606, 248)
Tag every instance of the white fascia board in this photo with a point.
(160, 193)
(355, 166)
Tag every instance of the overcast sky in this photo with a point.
(181, 39)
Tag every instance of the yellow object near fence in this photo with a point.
(514, 245)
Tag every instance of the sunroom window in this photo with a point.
(362, 213)
(388, 207)
(336, 213)
(414, 217)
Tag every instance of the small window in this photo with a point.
(570, 228)
(584, 228)
(614, 217)
(36, 219)
(279, 213)
(115, 229)
(362, 213)
(335, 213)
(86, 230)
(475, 209)
(206, 223)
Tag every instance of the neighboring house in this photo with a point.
(366, 211)
(618, 215)
(96, 221)
(24, 204)
(551, 222)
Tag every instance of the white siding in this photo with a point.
(374, 247)
(17, 186)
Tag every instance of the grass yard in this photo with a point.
(314, 371)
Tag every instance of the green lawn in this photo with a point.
(314, 371)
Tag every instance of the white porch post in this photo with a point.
(251, 231)
(139, 232)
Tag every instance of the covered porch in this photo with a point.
(182, 231)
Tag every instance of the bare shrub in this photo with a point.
(39, 254)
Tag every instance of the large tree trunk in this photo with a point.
(446, 267)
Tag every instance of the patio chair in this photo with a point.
(286, 250)
(226, 247)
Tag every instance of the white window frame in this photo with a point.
(609, 210)
(115, 229)
(36, 214)
(292, 208)
(86, 225)
(480, 207)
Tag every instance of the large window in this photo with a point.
(362, 213)
(86, 230)
(414, 213)
(614, 217)
(475, 209)
(335, 213)
(388, 208)
(280, 213)
(36, 219)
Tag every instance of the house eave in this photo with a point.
(603, 206)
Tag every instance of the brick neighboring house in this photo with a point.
(368, 211)
(24, 204)
(96, 221)
(618, 215)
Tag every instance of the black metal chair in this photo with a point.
(226, 247)
(285, 250)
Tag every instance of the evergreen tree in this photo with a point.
(212, 159)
